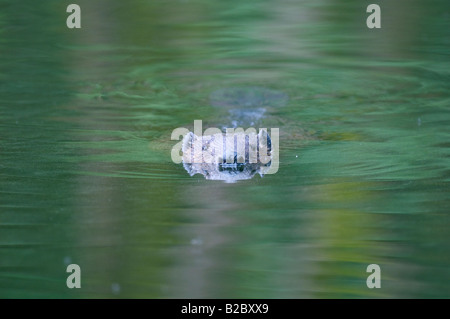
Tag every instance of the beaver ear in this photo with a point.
(264, 138)
(188, 141)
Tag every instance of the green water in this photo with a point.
(86, 175)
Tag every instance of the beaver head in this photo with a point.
(227, 156)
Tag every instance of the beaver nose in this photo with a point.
(235, 159)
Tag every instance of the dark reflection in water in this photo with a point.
(87, 177)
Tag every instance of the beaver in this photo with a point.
(236, 154)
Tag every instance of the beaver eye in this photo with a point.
(204, 148)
